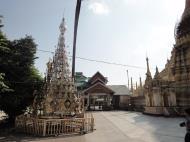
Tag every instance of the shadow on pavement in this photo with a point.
(22, 137)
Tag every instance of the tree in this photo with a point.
(3, 87)
(17, 62)
(3, 44)
(1, 21)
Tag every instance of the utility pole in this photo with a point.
(140, 82)
(77, 13)
(132, 85)
(128, 78)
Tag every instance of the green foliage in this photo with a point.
(3, 87)
(3, 43)
(17, 62)
(1, 25)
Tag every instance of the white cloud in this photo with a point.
(99, 8)
(130, 2)
(136, 3)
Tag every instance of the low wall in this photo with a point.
(137, 103)
(154, 110)
(165, 111)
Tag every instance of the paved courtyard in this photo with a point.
(123, 126)
(120, 126)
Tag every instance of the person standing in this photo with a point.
(187, 125)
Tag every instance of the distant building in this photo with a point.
(121, 96)
(137, 99)
(98, 96)
(80, 81)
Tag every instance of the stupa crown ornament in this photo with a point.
(62, 26)
(148, 73)
(187, 9)
(182, 30)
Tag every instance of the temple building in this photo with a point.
(100, 96)
(168, 92)
(121, 97)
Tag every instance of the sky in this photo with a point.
(117, 31)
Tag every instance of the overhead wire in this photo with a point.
(86, 59)
(99, 61)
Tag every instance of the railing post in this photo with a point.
(83, 126)
(44, 129)
(92, 123)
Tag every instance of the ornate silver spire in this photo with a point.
(61, 93)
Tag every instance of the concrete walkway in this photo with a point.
(123, 126)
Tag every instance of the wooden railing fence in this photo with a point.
(54, 127)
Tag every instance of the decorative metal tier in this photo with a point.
(57, 109)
